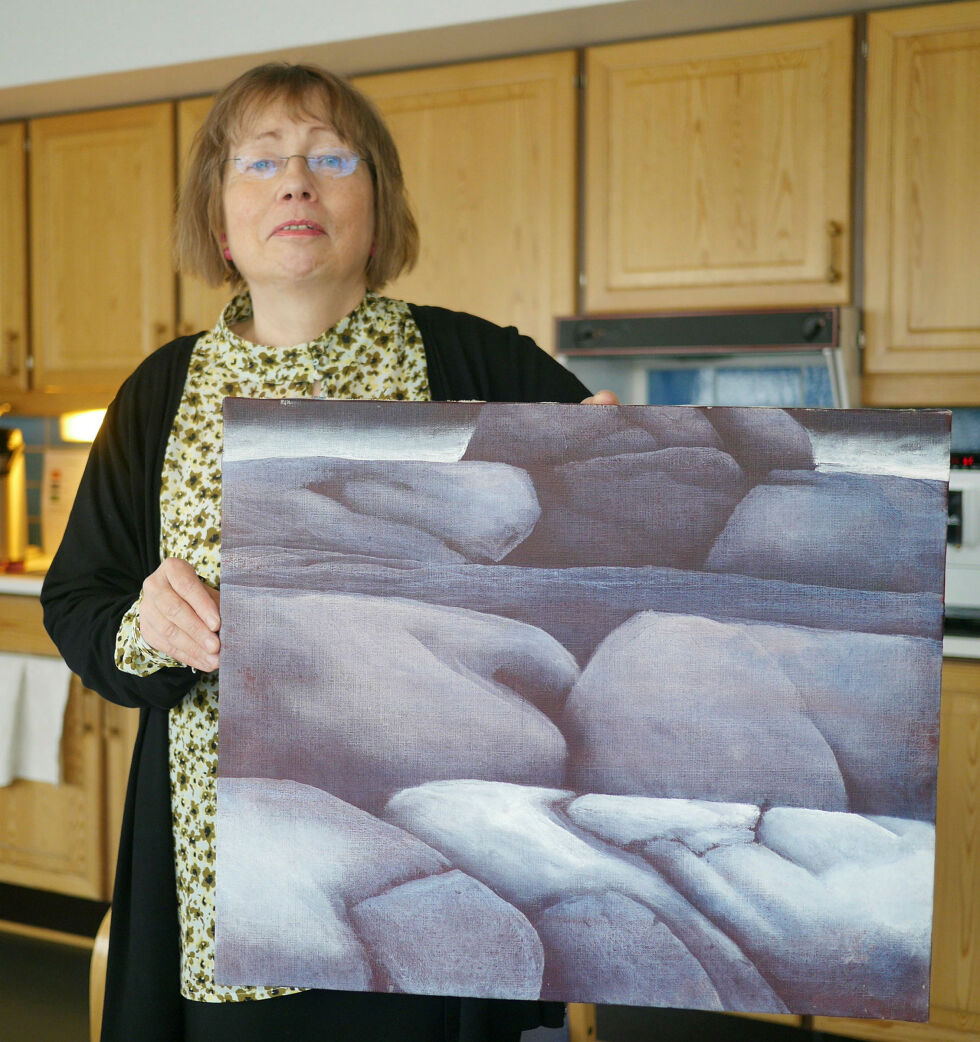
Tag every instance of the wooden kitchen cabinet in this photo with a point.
(922, 256)
(102, 282)
(64, 837)
(955, 1008)
(199, 304)
(13, 259)
(718, 169)
(488, 152)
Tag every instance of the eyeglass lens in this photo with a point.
(335, 163)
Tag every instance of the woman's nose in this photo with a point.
(296, 180)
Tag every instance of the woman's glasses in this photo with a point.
(337, 162)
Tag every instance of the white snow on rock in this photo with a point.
(331, 853)
(699, 824)
(853, 938)
(513, 838)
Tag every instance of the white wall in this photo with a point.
(62, 55)
(62, 39)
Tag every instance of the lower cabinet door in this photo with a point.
(52, 837)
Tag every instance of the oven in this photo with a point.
(963, 557)
(793, 358)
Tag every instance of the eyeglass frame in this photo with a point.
(281, 162)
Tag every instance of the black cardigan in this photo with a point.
(111, 544)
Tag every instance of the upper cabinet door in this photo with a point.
(488, 151)
(200, 304)
(718, 169)
(102, 282)
(922, 304)
(13, 259)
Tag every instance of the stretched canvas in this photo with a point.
(627, 705)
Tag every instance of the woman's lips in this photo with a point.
(299, 228)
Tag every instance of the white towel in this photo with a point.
(33, 696)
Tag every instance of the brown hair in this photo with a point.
(312, 92)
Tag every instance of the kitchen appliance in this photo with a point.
(794, 357)
(13, 500)
(963, 545)
(62, 475)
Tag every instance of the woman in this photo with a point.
(295, 193)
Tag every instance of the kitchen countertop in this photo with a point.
(28, 582)
(961, 647)
(27, 585)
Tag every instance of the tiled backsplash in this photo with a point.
(40, 433)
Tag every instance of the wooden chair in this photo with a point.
(581, 1022)
(96, 978)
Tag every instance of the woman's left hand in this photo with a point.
(601, 398)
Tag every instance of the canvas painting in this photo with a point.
(630, 705)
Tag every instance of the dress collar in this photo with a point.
(331, 345)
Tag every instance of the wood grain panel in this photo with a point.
(13, 259)
(488, 151)
(22, 627)
(200, 305)
(120, 725)
(718, 169)
(934, 388)
(102, 281)
(51, 836)
(581, 1022)
(923, 208)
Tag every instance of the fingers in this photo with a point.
(602, 398)
(179, 615)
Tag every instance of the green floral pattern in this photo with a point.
(374, 352)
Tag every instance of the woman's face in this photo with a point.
(298, 228)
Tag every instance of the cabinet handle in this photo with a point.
(161, 332)
(10, 354)
(835, 232)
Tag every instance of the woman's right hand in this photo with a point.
(179, 615)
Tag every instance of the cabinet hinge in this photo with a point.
(579, 81)
(29, 362)
(864, 49)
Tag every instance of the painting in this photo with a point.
(630, 705)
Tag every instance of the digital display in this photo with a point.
(964, 460)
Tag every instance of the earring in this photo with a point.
(371, 254)
(225, 251)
